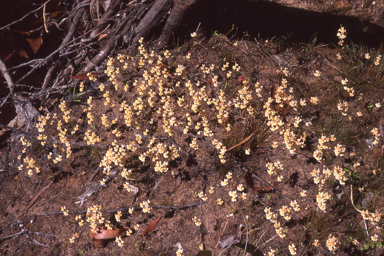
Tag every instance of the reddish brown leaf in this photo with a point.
(36, 196)
(241, 142)
(35, 43)
(242, 79)
(104, 233)
(99, 243)
(85, 76)
(23, 54)
(256, 187)
(8, 57)
(102, 36)
(100, 238)
(150, 227)
(378, 152)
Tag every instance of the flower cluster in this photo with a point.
(273, 167)
(285, 212)
(95, 217)
(145, 206)
(293, 142)
(377, 135)
(273, 218)
(339, 174)
(321, 200)
(196, 221)
(370, 216)
(292, 249)
(339, 150)
(343, 107)
(332, 243)
(341, 34)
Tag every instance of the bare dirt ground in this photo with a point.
(264, 125)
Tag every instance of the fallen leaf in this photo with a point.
(85, 76)
(8, 57)
(241, 142)
(103, 234)
(36, 196)
(35, 43)
(23, 54)
(256, 187)
(150, 227)
(242, 79)
(102, 36)
(378, 152)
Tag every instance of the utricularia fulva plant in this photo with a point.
(163, 112)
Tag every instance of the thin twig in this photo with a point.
(33, 240)
(265, 230)
(14, 235)
(44, 18)
(7, 76)
(246, 228)
(10, 24)
(43, 234)
(222, 233)
(224, 250)
(48, 200)
(31, 63)
(267, 241)
(35, 197)
(19, 247)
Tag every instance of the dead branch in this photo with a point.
(14, 235)
(152, 17)
(8, 79)
(33, 240)
(136, 208)
(102, 23)
(22, 18)
(174, 19)
(67, 38)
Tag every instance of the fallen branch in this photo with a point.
(22, 18)
(14, 235)
(136, 208)
(33, 240)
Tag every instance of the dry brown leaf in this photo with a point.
(150, 227)
(35, 43)
(241, 142)
(36, 196)
(103, 234)
(8, 57)
(23, 54)
(102, 36)
(85, 76)
(256, 187)
(378, 152)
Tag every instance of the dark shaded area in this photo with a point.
(264, 20)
